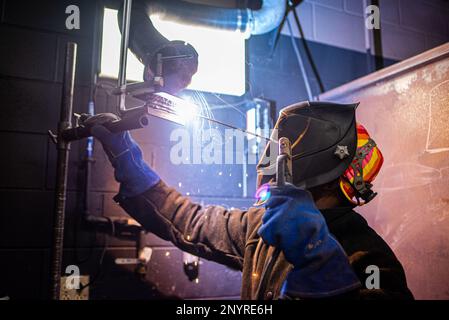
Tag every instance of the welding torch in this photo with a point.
(160, 104)
(284, 176)
(156, 103)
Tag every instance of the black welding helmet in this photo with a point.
(323, 137)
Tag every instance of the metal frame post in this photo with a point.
(63, 148)
(126, 20)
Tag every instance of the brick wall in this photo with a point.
(408, 27)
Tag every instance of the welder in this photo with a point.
(326, 249)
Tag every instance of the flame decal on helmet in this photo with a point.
(370, 166)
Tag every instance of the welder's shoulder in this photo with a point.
(368, 253)
(354, 234)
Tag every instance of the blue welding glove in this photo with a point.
(294, 225)
(131, 171)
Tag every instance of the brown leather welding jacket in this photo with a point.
(230, 237)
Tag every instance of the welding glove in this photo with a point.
(131, 171)
(294, 225)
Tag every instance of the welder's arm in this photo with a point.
(210, 232)
(133, 174)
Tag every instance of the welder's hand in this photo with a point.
(177, 73)
(131, 171)
(113, 144)
(293, 224)
(291, 221)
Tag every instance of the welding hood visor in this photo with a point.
(323, 137)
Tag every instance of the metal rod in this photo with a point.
(63, 148)
(373, 42)
(284, 163)
(307, 51)
(95, 54)
(278, 34)
(300, 62)
(91, 107)
(227, 125)
(89, 160)
(126, 19)
(244, 174)
(139, 119)
(283, 175)
(377, 43)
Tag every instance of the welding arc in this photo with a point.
(166, 103)
(236, 128)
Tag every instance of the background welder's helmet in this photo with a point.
(323, 136)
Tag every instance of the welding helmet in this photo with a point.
(323, 137)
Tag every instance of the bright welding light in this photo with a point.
(221, 54)
(110, 50)
(187, 110)
(262, 194)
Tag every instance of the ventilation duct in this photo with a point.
(253, 22)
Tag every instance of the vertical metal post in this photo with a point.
(300, 62)
(369, 59)
(373, 43)
(63, 149)
(126, 19)
(377, 44)
(244, 173)
(91, 106)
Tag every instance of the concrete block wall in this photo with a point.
(408, 27)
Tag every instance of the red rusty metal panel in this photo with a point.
(406, 109)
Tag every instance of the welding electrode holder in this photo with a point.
(284, 163)
(283, 176)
